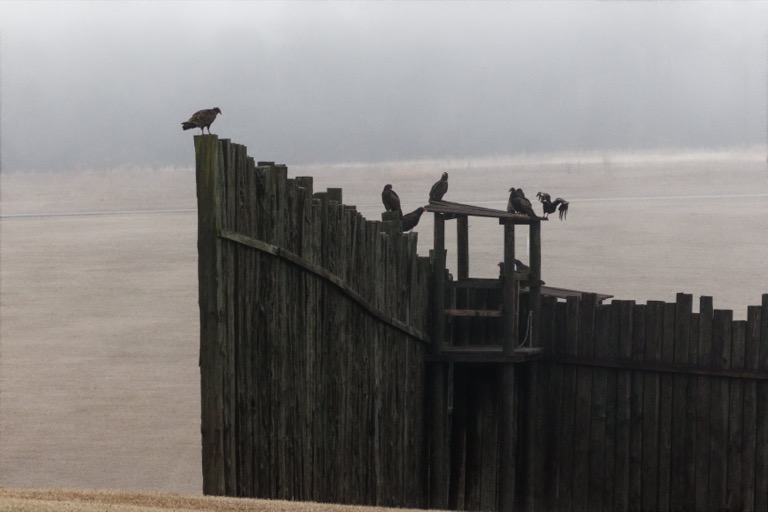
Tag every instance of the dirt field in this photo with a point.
(28, 500)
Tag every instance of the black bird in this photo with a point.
(411, 219)
(519, 266)
(202, 119)
(439, 189)
(391, 200)
(519, 204)
(550, 206)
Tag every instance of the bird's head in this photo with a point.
(420, 210)
(445, 176)
(217, 110)
(388, 186)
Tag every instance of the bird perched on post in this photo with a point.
(439, 189)
(519, 204)
(411, 219)
(519, 267)
(549, 206)
(391, 200)
(202, 119)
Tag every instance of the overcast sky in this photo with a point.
(99, 85)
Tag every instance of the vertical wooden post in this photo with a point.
(534, 289)
(438, 442)
(462, 249)
(508, 439)
(212, 316)
(438, 312)
(335, 194)
(510, 320)
(508, 413)
(460, 382)
(393, 220)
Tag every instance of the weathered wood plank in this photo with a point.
(734, 489)
(212, 324)
(499, 440)
(761, 455)
(636, 475)
(583, 402)
(534, 293)
(650, 433)
(438, 438)
(598, 438)
(555, 415)
(751, 448)
(568, 415)
(622, 311)
(703, 405)
(510, 313)
(666, 383)
(683, 474)
(718, 410)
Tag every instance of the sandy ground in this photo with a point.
(99, 382)
(65, 500)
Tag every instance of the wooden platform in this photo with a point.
(547, 291)
(453, 210)
(484, 354)
(564, 293)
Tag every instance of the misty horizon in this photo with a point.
(92, 85)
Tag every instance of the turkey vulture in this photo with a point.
(549, 206)
(201, 119)
(519, 204)
(411, 219)
(391, 200)
(519, 266)
(439, 189)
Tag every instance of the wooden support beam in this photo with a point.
(462, 249)
(335, 194)
(510, 293)
(212, 321)
(484, 313)
(438, 285)
(534, 298)
(508, 439)
(439, 453)
(475, 283)
(439, 456)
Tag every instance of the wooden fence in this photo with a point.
(314, 373)
(313, 325)
(648, 407)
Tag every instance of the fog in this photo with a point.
(101, 85)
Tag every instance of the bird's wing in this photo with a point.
(510, 205)
(203, 117)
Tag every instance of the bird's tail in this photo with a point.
(187, 125)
